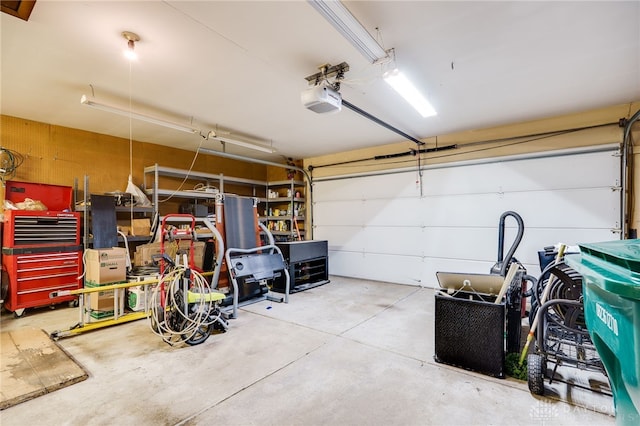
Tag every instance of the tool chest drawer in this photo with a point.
(33, 276)
(32, 228)
(46, 266)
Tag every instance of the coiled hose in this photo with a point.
(565, 285)
(172, 317)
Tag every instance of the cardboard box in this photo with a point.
(104, 266)
(145, 252)
(135, 227)
(198, 253)
(141, 227)
(124, 226)
(101, 303)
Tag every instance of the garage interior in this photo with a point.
(260, 230)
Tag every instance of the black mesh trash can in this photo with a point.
(471, 331)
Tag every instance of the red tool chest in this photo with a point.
(41, 250)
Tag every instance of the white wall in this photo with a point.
(383, 228)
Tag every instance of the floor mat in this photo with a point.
(32, 365)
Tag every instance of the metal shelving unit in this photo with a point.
(289, 223)
(286, 206)
(85, 210)
(152, 187)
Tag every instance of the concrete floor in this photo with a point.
(351, 352)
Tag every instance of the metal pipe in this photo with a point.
(412, 152)
(219, 254)
(492, 160)
(624, 172)
(376, 120)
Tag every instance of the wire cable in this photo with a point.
(172, 317)
(9, 161)
(186, 176)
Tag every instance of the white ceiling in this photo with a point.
(241, 65)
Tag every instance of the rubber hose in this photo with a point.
(514, 245)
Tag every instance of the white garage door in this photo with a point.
(381, 227)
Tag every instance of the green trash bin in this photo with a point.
(611, 290)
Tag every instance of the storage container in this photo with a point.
(611, 288)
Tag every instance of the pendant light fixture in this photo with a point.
(129, 51)
(128, 112)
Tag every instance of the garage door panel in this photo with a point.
(577, 208)
(564, 208)
(371, 187)
(345, 189)
(481, 210)
(460, 243)
(348, 238)
(390, 186)
(344, 213)
(435, 211)
(395, 240)
(454, 225)
(397, 269)
(394, 212)
(378, 267)
(552, 173)
(348, 264)
(524, 175)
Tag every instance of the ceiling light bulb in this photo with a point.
(129, 52)
(131, 38)
(408, 91)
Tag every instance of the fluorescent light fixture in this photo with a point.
(137, 116)
(408, 91)
(255, 146)
(171, 125)
(347, 25)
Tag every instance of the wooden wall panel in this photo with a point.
(58, 155)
